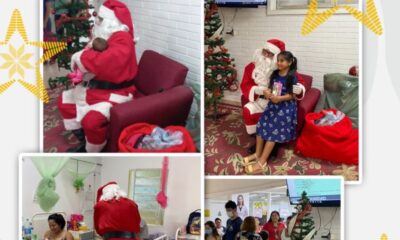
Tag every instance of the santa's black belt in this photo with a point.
(111, 235)
(98, 84)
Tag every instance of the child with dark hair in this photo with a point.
(99, 44)
(233, 223)
(57, 232)
(221, 229)
(279, 121)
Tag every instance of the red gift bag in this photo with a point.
(131, 133)
(337, 143)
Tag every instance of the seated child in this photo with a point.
(98, 44)
(279, 121)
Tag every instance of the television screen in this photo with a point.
(240, 3)
(321, 192)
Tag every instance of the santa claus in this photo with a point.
(115, 216)
(109, 78)
(256, 79)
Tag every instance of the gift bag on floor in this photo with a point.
(131, 137)
(337, 142)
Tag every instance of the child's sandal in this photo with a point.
(256, 168)
(249, 159)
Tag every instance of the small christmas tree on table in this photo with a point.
(76, 28)
(219, 72)
(304, 227)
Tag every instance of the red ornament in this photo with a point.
(94, 14)
(353, 71)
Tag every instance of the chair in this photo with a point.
(161, 98)
(308, 103)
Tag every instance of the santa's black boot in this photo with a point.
(252, 148)
(80, 135)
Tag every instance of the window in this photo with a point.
(144, 184)
(301, 6)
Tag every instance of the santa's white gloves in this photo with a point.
(297, 89)
(76, 61)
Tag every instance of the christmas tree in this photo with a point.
(219, 72)
(73, 27)
(304, 226)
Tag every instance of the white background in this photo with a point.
(371, 208)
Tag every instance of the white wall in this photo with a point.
(183, 187)
(332, 47)
(172, 28)
(69, 202)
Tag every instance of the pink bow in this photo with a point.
(76, 76)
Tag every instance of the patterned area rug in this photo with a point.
(55, 137)
(226, 143)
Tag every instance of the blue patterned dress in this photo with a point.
(279, 121)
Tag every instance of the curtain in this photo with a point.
(48, 168)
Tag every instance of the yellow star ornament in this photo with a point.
(370, 19)
(16, 60)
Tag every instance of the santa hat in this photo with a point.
(100, 190)
(116, 10)
(275, 46)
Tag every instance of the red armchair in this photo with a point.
(161, 97)
(308, 103)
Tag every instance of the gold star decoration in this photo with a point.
(370, 19)
(384, 237)
(16, 60)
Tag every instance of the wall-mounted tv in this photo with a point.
(321, 192)
(240, 3)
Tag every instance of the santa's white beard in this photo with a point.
(112, 191)
(263, 68)
(107, 27)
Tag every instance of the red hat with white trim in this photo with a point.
(116, 10)
(100, 190)
(275, 46)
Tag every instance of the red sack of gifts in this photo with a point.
(131, 134)
(337, 143)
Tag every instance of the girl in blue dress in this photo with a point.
(279, 121)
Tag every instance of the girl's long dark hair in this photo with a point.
(288, 56)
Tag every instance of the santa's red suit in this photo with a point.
(115, 216)
(256, 79)
(110, 72)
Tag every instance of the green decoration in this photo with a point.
(219, 71)
(74, 27)
(304, 227)
(48, 168)
(79, 170)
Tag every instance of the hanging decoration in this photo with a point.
(79, 170)
(48, 168)
(161, 197)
